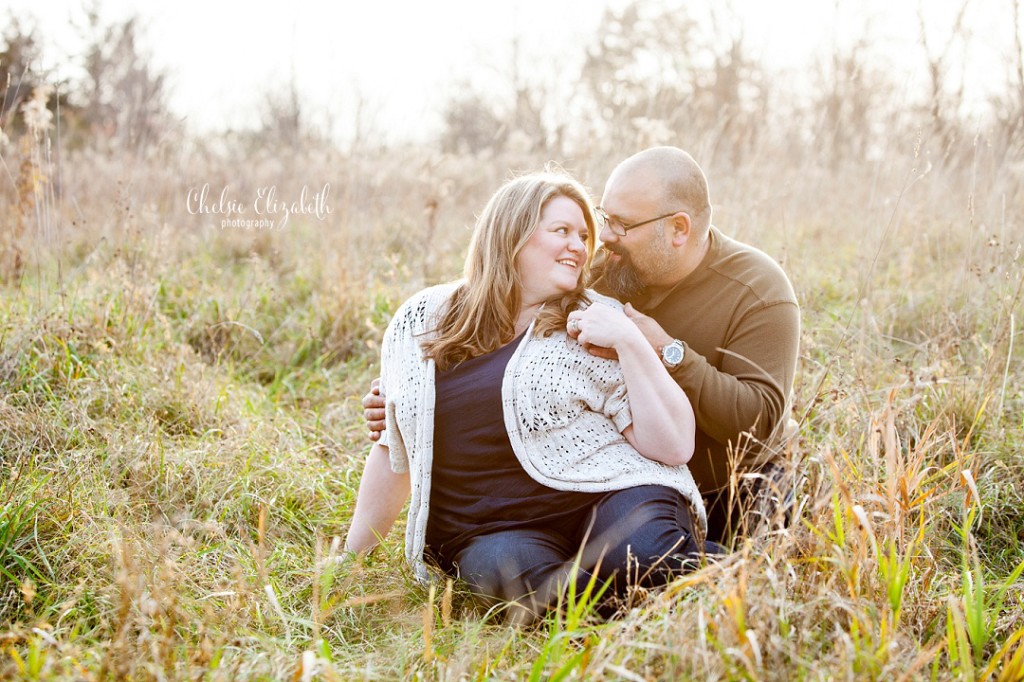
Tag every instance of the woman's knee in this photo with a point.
(512, 565)
(641, 530)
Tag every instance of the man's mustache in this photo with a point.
(607, 249)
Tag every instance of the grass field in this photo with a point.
(181, 434)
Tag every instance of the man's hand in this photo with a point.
(373, 410)
(652, 331)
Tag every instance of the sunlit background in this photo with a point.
(389, 68)
(180, 428)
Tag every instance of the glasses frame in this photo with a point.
(606, 219)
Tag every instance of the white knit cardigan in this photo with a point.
(564, 410)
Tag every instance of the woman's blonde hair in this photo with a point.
(482, 313)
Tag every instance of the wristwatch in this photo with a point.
(672, 353)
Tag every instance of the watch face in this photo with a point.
(672, 354)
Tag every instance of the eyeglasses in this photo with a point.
(616, 226)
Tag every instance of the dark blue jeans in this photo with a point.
(638, 536)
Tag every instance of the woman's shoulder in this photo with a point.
(602, 299)
(426, 301)
(433, 294)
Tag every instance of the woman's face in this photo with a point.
(551, 261)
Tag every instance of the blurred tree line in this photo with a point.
(117, 97)
(656, 74)
(650, 74)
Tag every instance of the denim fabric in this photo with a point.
(528, 566)
(637, 536)
(642, 536)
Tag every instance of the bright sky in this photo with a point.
(403, 58)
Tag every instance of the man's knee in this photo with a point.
(773, 496)
(763, 499)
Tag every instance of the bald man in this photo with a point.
(722, 315)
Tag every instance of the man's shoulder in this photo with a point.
(751, 268)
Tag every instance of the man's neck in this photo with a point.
(653, 294)
(687, 265)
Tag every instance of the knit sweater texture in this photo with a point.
(564, 410)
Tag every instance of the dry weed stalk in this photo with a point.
(860, 584)
(34, 210)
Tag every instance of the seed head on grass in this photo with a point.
(38, 118)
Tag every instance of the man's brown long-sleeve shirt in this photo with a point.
(739, 319)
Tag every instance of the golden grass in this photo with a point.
(181, 436)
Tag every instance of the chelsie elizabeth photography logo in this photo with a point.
(267, 210)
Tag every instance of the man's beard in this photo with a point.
(619, 277)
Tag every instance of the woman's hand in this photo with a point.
(652, 331)
(664, 426)
(602, 326)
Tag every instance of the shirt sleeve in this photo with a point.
(617, 408)
(750, 392)
(606, 391)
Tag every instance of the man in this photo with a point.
(722, 315)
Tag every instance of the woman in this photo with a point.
(522, 451)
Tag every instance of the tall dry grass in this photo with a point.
(181, 436)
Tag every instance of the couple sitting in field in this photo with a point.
(549, 434)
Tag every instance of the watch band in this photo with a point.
(672, 353)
